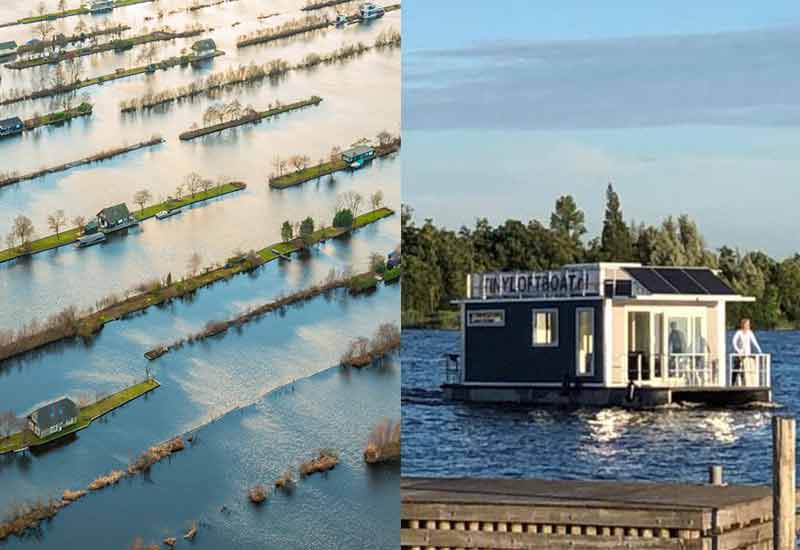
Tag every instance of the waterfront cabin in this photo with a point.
(101, 6)
(204, 48)
(115, 218)
(356, 157)
(393, 259)
(11, 126)
(370, 10)
(602, 334)
(53, 417)
(8, 50)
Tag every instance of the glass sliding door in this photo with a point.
(585, 341)
(639, 348)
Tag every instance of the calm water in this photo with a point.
(442, 438)
(361, 98)
(255, 366)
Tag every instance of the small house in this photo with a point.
(393, 259)
(356, 157)
(115, 218)
(11, 126)
(602, 334)
(100, 6)
(204, 48)
(53, 417)
(8, 49)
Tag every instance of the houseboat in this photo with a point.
(602, 334)
(204, 49)
(115, 218)
(11, 126)
(101, 6)
(8, 50)
(164, 214)
(370, 10)
(53, 417)
(356, 157)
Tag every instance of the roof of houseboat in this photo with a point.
(54, 413)
(680, 280)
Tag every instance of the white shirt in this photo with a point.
(743, 341)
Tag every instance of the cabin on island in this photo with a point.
(11, 126)
(115, 218)
(602, 334)
(8, 49)
(204, 48)
(100, 6)
(356, 157)
(53, 417)
(394, 258)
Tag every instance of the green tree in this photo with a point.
(568, 224)
(343, 218)
(307, 230)
(287, 233)
(615, 241)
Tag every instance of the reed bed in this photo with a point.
(365, 351)
(257, 494)
(326, 460)
(293, 27)
(383, 444)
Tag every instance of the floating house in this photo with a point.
(115, 218)
(53, 417)
(204, 48)
(356, 157)
(11, 126)
(101, 6)
(8, 50)
(370, 10)
(602, 334)
(394, 258)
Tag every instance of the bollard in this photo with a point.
(783, 488)
(715, 475)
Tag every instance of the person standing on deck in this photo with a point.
(743, 343)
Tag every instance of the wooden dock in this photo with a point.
(582, 515)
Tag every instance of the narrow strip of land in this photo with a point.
(311, 6)
(42, 46)
(88, 414)
(13, 177)
(91, 323)
(120, 44)
(250, 118)
(119, 73)
(83, 10)
(319, 170)
(59, 117)
(69, 236)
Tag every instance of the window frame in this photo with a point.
(470, 323)
(548, 310)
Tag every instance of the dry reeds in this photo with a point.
(22, 517)
(190, 534)
(362, 351)
(72, 496)
(257, 494)
(155, 454)
(290, 28)
(104, 481)
(383, 444)
(170, 541)
(327, 459)
(286, 482)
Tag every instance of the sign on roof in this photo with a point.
(562, 283)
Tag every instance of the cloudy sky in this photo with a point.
(687, 109)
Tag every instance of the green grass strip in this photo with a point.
(86, 416)
(75, 11)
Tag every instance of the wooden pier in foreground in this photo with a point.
(582, 515)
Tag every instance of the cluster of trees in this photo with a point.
(23, 232)
(224, 112)
(303, 229)
(293, 26)
(348, 205)
(388, 38)
(438, 259)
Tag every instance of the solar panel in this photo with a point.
(649, 279)
(712, 283)
(679, 279)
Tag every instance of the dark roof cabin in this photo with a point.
(11, 126)
(115, 217)
(53, 417)
(355, 157)
(204, 48)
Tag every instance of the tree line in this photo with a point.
(437, 259)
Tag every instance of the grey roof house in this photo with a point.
(53, 417)
(204, 48)
(11, 126)
(357, 156)
(115, 217)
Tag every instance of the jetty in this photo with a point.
(280, 254)
(250, 118)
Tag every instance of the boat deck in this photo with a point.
(507, 513)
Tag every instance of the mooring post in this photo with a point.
(715, 474)
(783, 487)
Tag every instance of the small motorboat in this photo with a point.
(370, 10)
(167, 213)
(341, 20)
(92, 238)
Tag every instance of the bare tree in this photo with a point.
(192, 182)
(205, 184)
(79, 222)
(56, 221)
(376, 199)
(148, 54)
(62, 5)
(352, 201)
(384, 138)
(21, 231)
(336, 152)
(194, 262)
(141, 198)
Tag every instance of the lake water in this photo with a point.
(283, 422)
(444, 438)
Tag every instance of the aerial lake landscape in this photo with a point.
(253, 404)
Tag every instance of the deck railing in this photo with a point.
(695, 370)
(754, 370)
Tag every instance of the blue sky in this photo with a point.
(687, 107)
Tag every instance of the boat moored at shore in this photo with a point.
(602, 334)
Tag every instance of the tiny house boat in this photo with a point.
(89, 240)
(602, 334)
(370, 10)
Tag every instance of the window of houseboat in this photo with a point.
(585, 344)
(545, 327)
(486, 318)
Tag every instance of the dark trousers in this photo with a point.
(738, 371)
